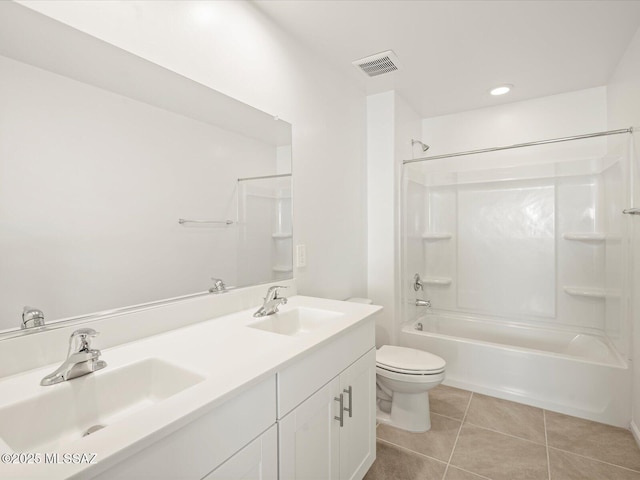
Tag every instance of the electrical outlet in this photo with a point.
(301, 255)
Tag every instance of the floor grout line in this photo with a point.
(447, 416)
(546, 442)
(542, 444)
(408, 450)
(466, 410)
(595, 459)
(472, 473)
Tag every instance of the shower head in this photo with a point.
(424, 147)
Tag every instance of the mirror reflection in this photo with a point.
(123, 183)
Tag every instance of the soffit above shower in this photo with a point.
(453, 52)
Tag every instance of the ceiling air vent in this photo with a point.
(378, 64)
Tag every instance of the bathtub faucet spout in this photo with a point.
(423, 303)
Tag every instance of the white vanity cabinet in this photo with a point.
(256, 461)
(314, 418)
(318, 440)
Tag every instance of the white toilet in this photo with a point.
(404, 377)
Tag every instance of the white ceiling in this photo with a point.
(452, 52)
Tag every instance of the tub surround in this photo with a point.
(523, 252)
(229, 357)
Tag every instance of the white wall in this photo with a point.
(391, 124)
(381, 211)
(232, 47)
(561, 115)
(623, 109)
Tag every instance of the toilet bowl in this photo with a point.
(404, 377)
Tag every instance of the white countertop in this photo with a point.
(224, 350)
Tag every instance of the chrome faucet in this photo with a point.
(81, 359)
(218, 286)
(423, 303)
(271, 303)
(32, 317)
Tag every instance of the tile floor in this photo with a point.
(476, 437)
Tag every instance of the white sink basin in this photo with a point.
(64, 413)
(297, 322)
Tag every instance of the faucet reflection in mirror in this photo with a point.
(32, 317)
(81, 359)
(218, 286)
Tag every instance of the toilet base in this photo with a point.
(409, 412)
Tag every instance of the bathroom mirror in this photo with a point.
(123, 183)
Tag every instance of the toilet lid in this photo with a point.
(408, 360)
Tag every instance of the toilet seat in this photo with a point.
(422, 379)
(408, 361)
(409, 372)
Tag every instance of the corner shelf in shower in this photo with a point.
(437, 236)
(280, 236)
(442, 281)
(282, 269)
(585, 237)
(589, 292)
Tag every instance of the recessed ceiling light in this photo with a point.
(501, 90)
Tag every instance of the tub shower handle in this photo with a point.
(350, 392)
(340, 399)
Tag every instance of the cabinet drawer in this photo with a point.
(301, 379)
(199, 447)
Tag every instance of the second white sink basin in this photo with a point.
(297, 322)
(65, 412)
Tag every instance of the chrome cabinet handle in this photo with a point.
(350, 392)
(631, 211)
(341, 417)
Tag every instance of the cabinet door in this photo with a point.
(309, 437)
(256, 461)
(358, 436)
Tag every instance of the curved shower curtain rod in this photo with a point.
(520, 145)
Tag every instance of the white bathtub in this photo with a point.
(574, 373)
